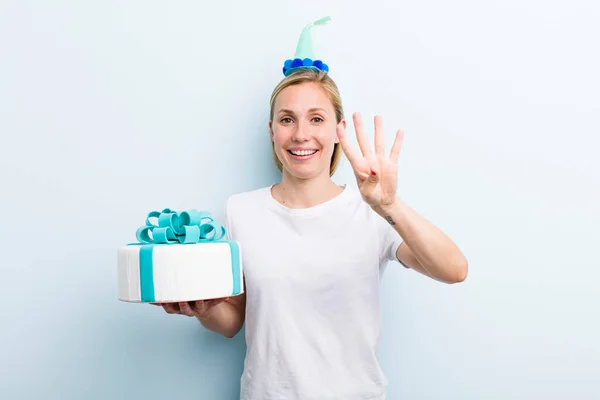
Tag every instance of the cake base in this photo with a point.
(170, 273)
(179, 301)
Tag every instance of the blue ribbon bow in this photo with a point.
(180, 227)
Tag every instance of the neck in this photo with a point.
(304, 193)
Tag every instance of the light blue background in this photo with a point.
(111, 109)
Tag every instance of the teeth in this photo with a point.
(303, 152)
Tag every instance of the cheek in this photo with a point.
(279, 136)
(280, 140)
(327, 138)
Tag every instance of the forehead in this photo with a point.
(303, 97)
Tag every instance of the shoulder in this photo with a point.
(242, 207)
(243, 201)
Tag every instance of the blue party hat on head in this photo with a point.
(305, 57)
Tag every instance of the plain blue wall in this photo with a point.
(111, 109)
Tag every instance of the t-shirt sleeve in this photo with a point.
(390, 240)
(229, 234)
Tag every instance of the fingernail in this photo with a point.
(373, 172)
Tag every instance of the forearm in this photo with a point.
(224, 318)
(435, 251)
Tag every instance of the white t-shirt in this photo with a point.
(313, 303)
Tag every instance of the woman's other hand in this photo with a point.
(376, 174)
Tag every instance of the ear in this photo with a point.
(342, 124)
(271, 129)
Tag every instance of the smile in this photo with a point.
(302, 154)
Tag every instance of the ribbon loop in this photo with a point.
(184, 227)
(191, 234)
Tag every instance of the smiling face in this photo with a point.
(303, 130)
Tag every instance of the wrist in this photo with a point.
(389, 209)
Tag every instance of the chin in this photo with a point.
(306, 172)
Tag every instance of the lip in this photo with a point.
(301, 148)
(302, 158)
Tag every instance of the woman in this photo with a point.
(313, 253)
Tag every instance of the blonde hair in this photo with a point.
(327, 84)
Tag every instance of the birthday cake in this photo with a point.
(179, 256)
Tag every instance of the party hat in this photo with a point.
(304, 57)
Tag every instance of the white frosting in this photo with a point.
(129, 273)
(180, 272)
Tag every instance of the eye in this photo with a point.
(318, 119)
(286, 120)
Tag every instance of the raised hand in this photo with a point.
(376, 174)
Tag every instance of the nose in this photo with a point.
(301, 133)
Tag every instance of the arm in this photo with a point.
(225, 318)
(425, 248)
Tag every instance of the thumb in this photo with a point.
(373, 177)
(369, 186)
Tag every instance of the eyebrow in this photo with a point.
(286, 111)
